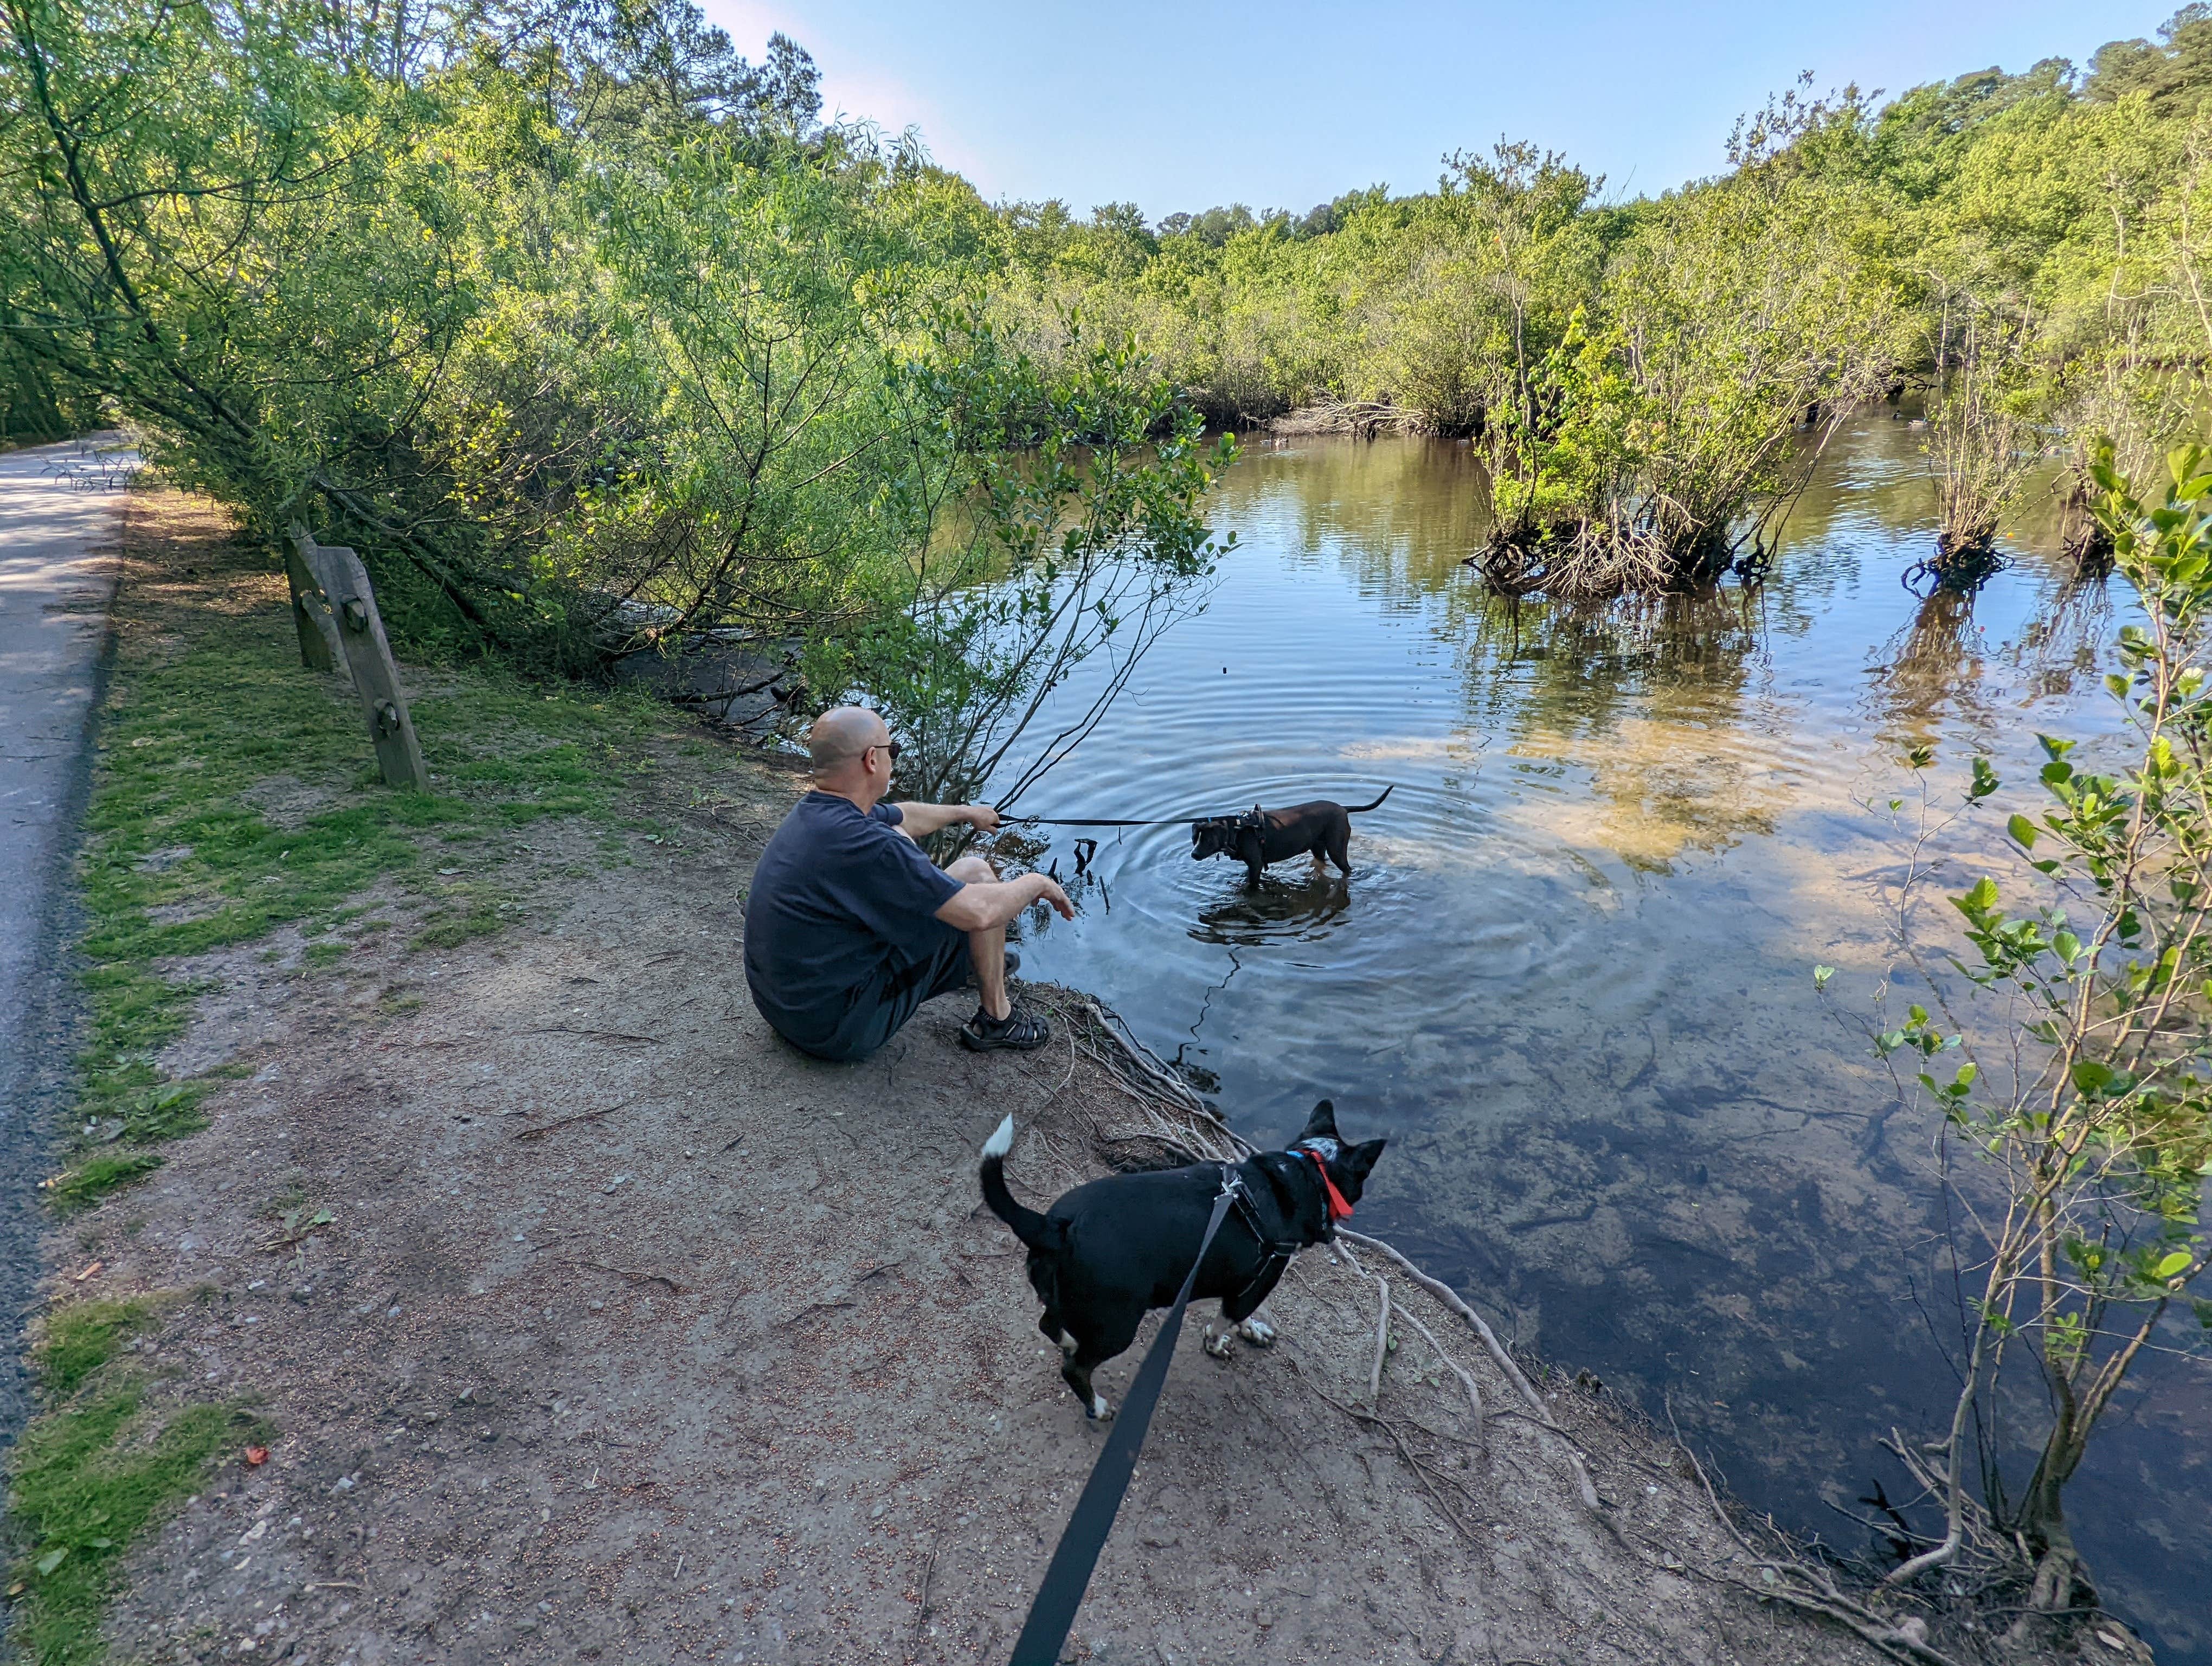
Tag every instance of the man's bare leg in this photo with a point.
(987, 948)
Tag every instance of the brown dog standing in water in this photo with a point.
(1321, 828)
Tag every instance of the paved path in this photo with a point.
(56, 581)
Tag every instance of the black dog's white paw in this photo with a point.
(1101, 1409)
(1221, 1345)
(1258, 1332)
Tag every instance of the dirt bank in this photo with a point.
(584, 1320)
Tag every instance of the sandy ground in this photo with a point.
(637, 1336)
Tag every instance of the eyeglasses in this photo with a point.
(890, 747)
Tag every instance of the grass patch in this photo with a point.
(85, 1181)
(83, 1337)
(463, 912)
(97, 1468)
(235, 792)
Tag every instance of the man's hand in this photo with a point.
(920, 820)
(982, 904)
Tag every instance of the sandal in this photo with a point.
(1020, 1031)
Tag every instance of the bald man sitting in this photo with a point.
(851, 927)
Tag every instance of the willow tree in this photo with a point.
(1501, 255)
(1983, 434)
(225, 235)
(1063, 538)
(287, 241)
(1668, 433)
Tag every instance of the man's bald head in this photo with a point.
(840, 735)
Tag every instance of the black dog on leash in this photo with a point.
(1259, 836)
(1109, 1250)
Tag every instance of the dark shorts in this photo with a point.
(879, 1009)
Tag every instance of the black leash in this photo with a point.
(1062, 821)
(1069, 1574)
(1161, 821)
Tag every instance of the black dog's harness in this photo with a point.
(1278, 1251)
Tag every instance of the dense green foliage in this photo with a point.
(585, 330)
(1649, 380)
(576, 322)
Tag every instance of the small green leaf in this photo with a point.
(2090, 1075)
(2022, 830)
(53, 1560)
(1821, 975)
(2173, 1266)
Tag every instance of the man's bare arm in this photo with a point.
(920, 820)
(983, 904)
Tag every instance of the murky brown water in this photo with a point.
(1571, 973)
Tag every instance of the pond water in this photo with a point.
(1570, 975)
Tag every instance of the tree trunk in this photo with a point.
(2041, 1521)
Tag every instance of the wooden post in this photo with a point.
(311, 614)
(344, 583)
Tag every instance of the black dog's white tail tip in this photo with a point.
(1002, 1139)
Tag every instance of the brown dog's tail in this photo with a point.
(1031, 1227)
(1354, 809)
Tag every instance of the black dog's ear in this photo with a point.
(1322, 1125)
(1360, 1158)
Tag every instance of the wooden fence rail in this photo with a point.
(340, 630)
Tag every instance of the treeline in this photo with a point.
(586, 329)
(1642, 375)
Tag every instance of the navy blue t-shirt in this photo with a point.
(839, 901)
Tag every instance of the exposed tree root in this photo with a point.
(1423, 1472)
(1505, 1361)
(1810, 1588)
(1465, 1376)
(1382, 1343)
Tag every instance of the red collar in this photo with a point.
(1338, 1209)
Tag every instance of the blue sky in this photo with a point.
(1181, 106)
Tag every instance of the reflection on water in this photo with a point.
(1299, 908)
(1570, 972)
